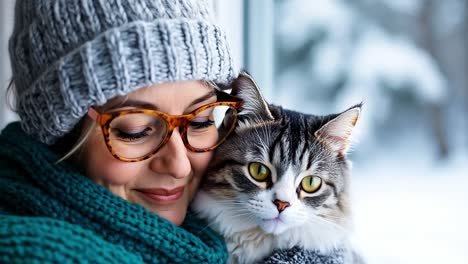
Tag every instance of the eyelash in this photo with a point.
(133, 136)
(199, 125)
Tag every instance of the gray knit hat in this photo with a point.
(68, 55)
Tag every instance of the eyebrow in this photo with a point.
(203, 98)
(146, 105)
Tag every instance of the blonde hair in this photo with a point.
(86, 128)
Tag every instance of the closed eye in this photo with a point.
(200, 125)
(132, 136)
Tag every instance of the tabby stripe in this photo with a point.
(309, 162)
(223, 164)
(282, 151)
(243, 183)
(271, 153)
(335, 191)
(210, 185)
(318, 200)
(294, 135)
(304, 148)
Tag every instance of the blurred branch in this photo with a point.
(426, 24)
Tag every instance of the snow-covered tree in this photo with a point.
(335, 56)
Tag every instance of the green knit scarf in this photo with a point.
(50, 212)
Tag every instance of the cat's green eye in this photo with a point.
(311, 184)
(259, 172)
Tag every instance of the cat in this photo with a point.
(280, 180)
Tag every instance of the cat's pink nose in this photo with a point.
(281, 205)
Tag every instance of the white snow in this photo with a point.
(410, 212)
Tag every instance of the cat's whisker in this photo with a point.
(240, 211)
(232, 201)
(209, 225)
(329, 216)
(233, 204)
(328, 222)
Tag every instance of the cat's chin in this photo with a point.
(273, 226)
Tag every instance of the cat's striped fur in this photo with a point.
(291, 146)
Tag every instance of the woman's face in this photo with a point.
(165, 183)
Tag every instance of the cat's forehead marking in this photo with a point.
(304, 162)
(261, 142)
(313, 169)
(285, 187)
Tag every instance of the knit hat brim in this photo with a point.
(119, 61)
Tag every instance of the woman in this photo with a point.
(117, 102)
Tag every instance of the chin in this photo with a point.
(174, 216)
(174, 212)
(273, 226)
(177, 221)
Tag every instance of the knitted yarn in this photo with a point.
(297, 255)
(50, 212)
(68, 55)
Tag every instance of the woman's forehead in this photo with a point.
(180, 93)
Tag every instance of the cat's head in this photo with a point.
(282, 169)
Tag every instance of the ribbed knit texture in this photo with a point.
(52, 213)
(297, 255)
(68, 55)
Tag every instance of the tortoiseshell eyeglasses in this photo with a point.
(137, 134)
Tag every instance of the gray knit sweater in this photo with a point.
(297, 255)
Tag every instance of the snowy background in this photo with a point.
(407, 61)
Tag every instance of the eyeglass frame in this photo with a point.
(172, 122)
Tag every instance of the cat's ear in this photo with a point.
(336, 133)
(254, 106)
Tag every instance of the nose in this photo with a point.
(281, 205)
(172, 158)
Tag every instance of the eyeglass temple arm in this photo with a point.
(93, 114)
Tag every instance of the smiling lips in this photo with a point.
(162, 196)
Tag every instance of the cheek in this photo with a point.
(102, 167)
(199, 163)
